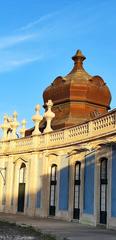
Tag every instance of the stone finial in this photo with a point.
(5, 127)
(10, 120)
(37, 119)
(14, 125)
(49, 115)
(78, 59)
(23, 129)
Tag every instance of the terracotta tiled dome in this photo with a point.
(78, 96)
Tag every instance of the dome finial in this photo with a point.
(78, 58)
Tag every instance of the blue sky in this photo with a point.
(38, 39)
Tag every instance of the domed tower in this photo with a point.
(77, 97)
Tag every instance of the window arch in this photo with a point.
(103, 169)
(22, 173)
(53, 172)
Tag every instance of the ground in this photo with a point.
(10, 231)
(61, 229)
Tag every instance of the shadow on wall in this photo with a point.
(58, 188)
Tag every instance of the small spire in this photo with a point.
(14, 125)
(78, 59)
(5, 127)
(49, 115)
(37, 119)
(23, 129)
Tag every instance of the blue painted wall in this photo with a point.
(113, 188)
(39, 191)
(89, 184)
(38, 199)
(64, 186)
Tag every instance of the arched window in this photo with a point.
(77, 183)
(53, 183)
(22, 173)
(103, 190)
(103, 169)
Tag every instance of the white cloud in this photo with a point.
(9, 41)
(12, 58)
(12, 63)
(39, 20)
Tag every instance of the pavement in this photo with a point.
(10, 231)
(61, 229)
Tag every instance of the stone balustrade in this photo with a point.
(79, 130)
(104, 122)
(57, 136)
(98, 127)
(24, 142)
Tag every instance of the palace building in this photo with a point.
(65, 166)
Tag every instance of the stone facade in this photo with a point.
(88, 144)
(66, 174)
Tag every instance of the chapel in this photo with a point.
(64, 167)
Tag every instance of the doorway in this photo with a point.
(103, 190)
(53, 183)
(77, 183)
(21, 192)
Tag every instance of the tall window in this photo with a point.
(77, 183)
(22, 173)
(53, 182)
(103, 190)
(21, 193)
